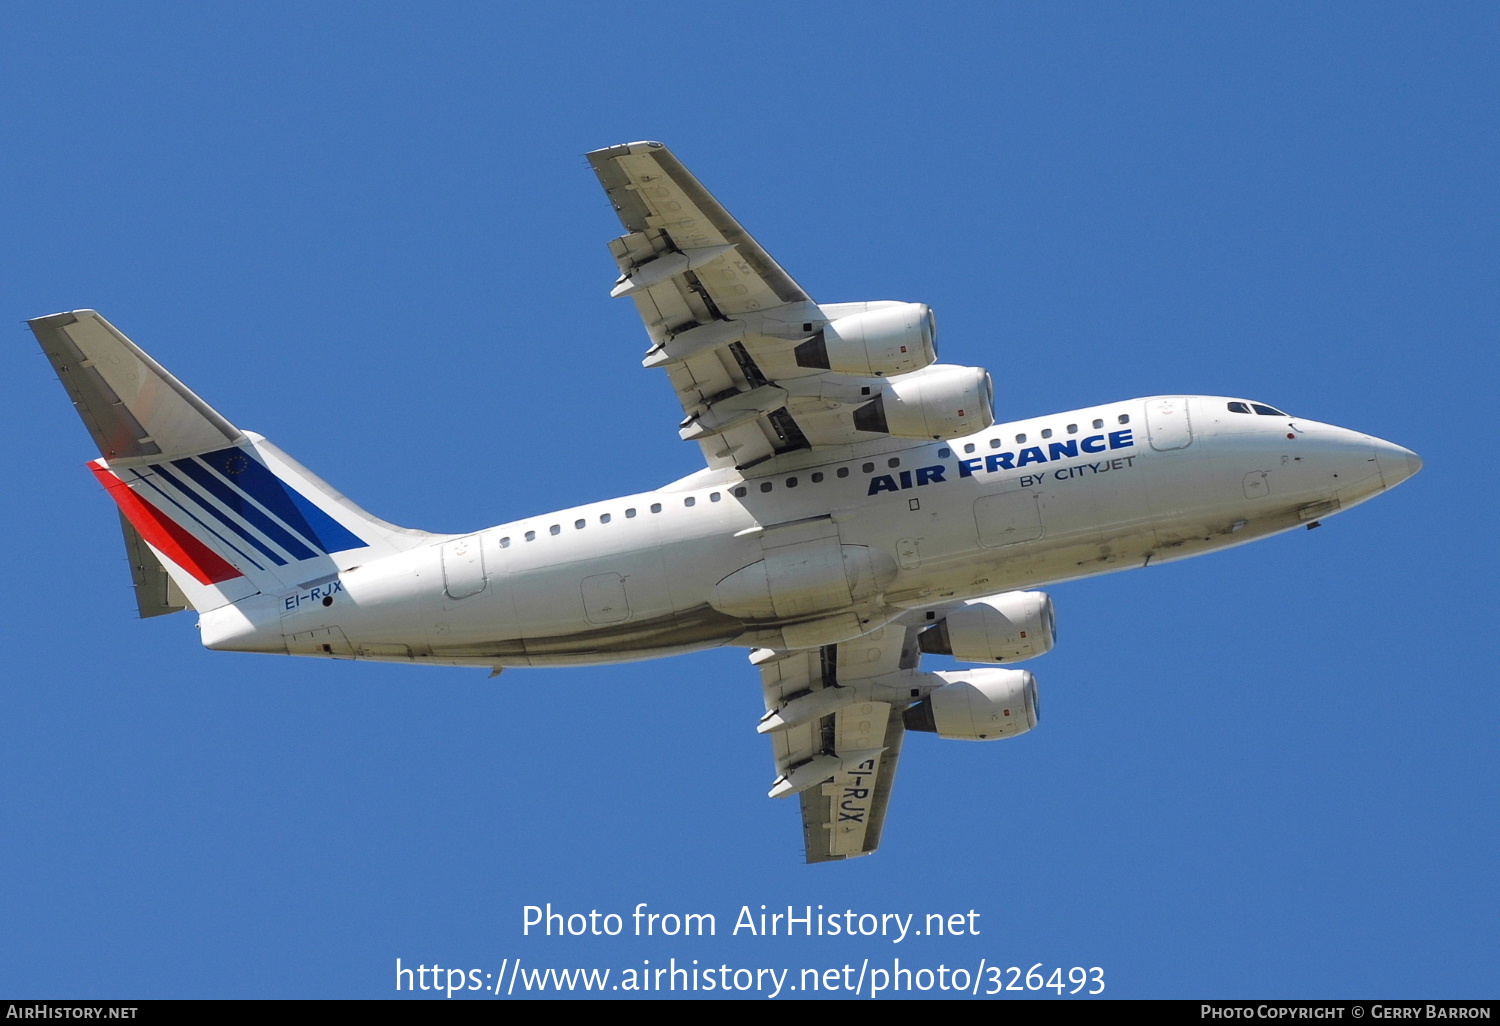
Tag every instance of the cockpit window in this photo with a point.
(1260, 408)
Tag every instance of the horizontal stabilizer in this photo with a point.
(155, 592)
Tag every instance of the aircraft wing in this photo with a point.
(740, 340)
(834, 716)
(666, 210)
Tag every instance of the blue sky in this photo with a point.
(368, 232)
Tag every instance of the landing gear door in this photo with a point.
(1167, 424)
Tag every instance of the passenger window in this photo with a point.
(817, 477)
(531, 536)
(554, 529)
(578, 524)
(603, 518)
(1098, 424)
(1072, 429)
(1238, 408)
(893, 462)
(1046, 432)
(994, 443)
(791, 482)
(739, 493)
(505, 543)
(868, 468)
(968, 447)
(690, 501)
(656, 507)
(1020, 439)
(1267, 411)
(1124, 418)
(843, 472)
(630, 513)
(944, 453)
(713, 496)
(765, 486)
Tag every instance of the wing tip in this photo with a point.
(625, 150)
(61, 319)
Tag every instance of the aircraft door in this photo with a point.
(1007, 518)
(908, 554)
(463, 567)
(604, 599)
(1168, 425)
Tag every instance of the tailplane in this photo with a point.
(211, 514)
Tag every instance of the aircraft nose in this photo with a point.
(1396, 463)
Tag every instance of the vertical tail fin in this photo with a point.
(225, 513)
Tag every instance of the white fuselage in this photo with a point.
(1015, 506)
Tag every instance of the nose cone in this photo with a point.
(1396, 464)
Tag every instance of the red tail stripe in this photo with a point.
(206, 566)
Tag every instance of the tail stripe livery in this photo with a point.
(154, 482)
(206, 566)
(239, 528)
(253, 504)
(236, 512)
(255, 488)
(243, 526)
(225, 513)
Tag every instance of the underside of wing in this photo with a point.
(835, 719)
(768, 378)
(837, 715)
(844, 817)
(655, 195)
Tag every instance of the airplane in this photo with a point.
(859, 508)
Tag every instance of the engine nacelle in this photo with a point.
(978, 705)
(941, 401)
(998, 629)
(884, 338)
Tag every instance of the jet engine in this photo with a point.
(941, 401)
(884, 338)
(977, 705)
(998, 629)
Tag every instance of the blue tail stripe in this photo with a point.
(237, 502)
(334, 536)
(239, 553)
(258, 481)
(209, 508)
